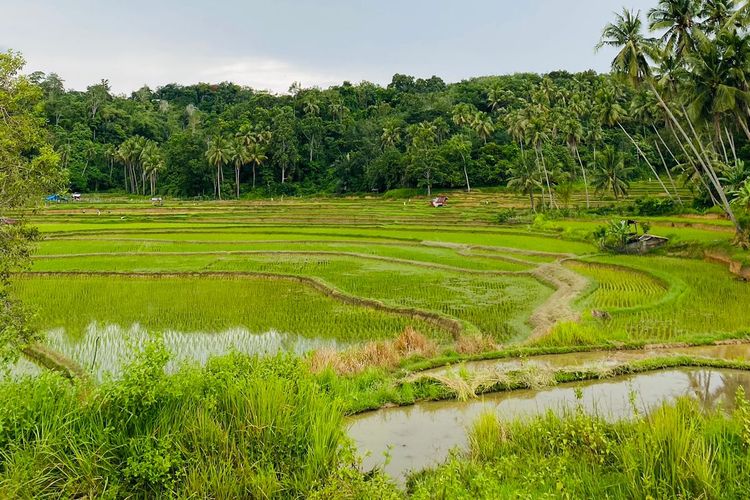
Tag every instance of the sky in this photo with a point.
(269, 44)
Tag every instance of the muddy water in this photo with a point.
(421, 436)
(605, 358)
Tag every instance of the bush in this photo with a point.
(505, 216)
(613, 237)
(239, 428)
(654, 206)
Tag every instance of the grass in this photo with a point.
(677, 451)
(453, 263)
(204, 305)
(241, 427)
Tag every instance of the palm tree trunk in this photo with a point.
(466, 175)
(714, 178)
(253, 175)
(640, 151)
(666, 168)
(730, 140)
(546, 176)
(709, 169)
(237, 180)
(218, 181)
(585, 182)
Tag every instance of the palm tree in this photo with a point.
(677, 18)
(239, 156)
(611, 173)
(391, 136)
(153, 165)
(632, 62)
(716, 14)
(572, 128)
(626, 34)
(482, 125)
(255, 156)
(523, 179)
(463, 114)
(218, 154)
(311, 107)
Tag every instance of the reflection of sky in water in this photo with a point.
(21, 368)
(603, 358)
(105, 348)
(421, 436)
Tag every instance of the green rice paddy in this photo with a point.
(338, 273)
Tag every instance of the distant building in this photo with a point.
(440, 201)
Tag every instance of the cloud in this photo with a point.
(266, 74)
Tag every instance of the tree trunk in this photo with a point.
(237, 180)
(709, 169)
(218, 181)
(546, 176)
(585, 182)
(666, 167)
(466, 175)
(253, 175)
(640, 151)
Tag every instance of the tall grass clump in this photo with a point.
(678, 451)
(241, 427)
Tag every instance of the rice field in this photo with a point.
(300, 275)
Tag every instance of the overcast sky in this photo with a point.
(269, 44)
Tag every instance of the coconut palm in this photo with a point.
(218, 154)
(463, 114)
(632, 62)
(611, 173)
(256, 155)
(572, 129)
(311, 107)
(391, 136)
(626, 34)
(240, 158)
(677, 18)
(523, 179)
(482, 125)
(716, 14)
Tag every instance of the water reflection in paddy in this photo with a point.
(422, 435)
(106, 348)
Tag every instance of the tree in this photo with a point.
(218, 154)
(256, 155)
(632, 62)
(283, 146)
(30, 169)
(482, 125)
(676, 18)
(240, 157)
(611, 173)
(460, 145)
(523, 179)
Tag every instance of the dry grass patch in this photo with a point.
(475, 344)
(384, 354)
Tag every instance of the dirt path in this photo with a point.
(559, 307)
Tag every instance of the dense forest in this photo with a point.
(674, 109)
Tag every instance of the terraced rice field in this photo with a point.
(339, 273)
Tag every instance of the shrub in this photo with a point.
(241, 427)
(654, 206)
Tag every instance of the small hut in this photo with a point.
(440, 201)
